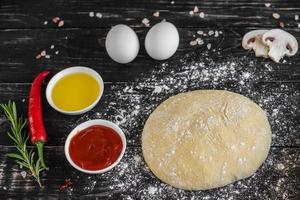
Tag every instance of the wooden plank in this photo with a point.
(81, 47)
(133, 91)
(129, 105)
(278, 178)
(32, 14)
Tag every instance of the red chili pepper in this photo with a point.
(35, 116)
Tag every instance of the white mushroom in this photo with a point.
(280, 43)
(253, 40)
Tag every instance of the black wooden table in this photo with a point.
(133, 90)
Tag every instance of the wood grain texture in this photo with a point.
(276, 181)
(285, 133)
(76, 13)
(80, 41)
(86, 48)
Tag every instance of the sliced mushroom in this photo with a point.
(280, 43)
(253, 40)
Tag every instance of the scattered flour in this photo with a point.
(23, 174)
(130, 104)
(152, 190)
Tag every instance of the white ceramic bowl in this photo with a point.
(68, 71)
(86, 125)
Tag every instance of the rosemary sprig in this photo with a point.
(24, 156)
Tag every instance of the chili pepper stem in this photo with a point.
(39, 146)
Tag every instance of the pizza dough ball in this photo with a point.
(206, 139)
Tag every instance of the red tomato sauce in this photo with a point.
(95, 147)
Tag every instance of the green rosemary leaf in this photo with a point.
(14, 155)
(24, 148)
(37, 166)
(24, 157)
(31, 155)
(13, 138)
(24, 164)
(20, 149)
(25, 139)
(41, 169)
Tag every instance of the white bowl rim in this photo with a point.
(85, 125)
(71, 70)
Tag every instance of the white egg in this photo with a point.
(122, 44)
(162, 41)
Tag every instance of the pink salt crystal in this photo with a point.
(38, 56)
(43, 53)
(196, 9)
(156, 14)
(55, 20)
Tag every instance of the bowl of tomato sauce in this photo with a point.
(95, 146)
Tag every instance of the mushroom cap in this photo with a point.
(250, 37)
(277, 37)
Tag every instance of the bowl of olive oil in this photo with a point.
(75, 90)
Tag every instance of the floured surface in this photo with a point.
(130, 105)
(205, 139)
(133, 91)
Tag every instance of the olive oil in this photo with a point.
(75, 92)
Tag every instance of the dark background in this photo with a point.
(80, 42)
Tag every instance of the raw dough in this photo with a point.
(206, 139)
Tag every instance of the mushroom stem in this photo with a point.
(280, 43)
(260, 49)
(253, 40)
(277, 51)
